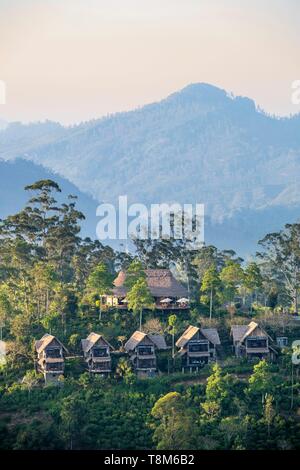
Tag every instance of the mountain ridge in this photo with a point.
(198, 145)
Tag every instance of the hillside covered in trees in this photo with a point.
(52, 281)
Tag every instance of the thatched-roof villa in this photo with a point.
(96, 352)
(142, 348)
(168, 293)
(198, 346)
(252, 341)
(50, 357)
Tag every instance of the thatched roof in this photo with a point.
(238, 331)
(92, 340)
(161, 283)
(241, 332)
(211, 334)
(45, 341)
(189, 333)
(158, 341)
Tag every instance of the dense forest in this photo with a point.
(52, 281)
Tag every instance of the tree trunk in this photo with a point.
(173, 346)
(47, 301)
(141, 318)
(210, 304)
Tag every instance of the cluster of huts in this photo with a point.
(196, 347)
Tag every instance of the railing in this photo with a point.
(158, 306)
(151, 364)
(145, 352)
(54, 370)
(172, 306)
(53, 355)
(257, 350)
(101, 367)
(99, 355)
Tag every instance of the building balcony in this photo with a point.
(146, 364)
(146, 356)
(158, 306)
(53, 360)
(54, 371)
(198, 353)
(101, 359)
(257, 350)
(104, 367)
(172, 306)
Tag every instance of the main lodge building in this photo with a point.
(168, 293)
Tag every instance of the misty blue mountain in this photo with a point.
(197, 145)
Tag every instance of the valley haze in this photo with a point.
(199, 145)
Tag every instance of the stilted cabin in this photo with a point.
(251, 341)
(96, 351)
(168, 293)
(142, 348)
(198, 346)
(50, 357)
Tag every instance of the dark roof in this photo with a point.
(159, 341)
(161, 283)
(91, 340)
(209, 333)
(138, 336)
(212, 335)
(45, 341)
(238, 332)
(241, 332)
(189, 333)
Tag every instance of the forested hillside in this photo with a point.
(197, 145)
(53, 281)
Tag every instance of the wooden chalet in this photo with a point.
(50, 357)
(96, 352)
(168, 293)
(252, 341)
(198, 346)
(142, 348)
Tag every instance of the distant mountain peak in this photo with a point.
(199, 92)
(210, 96)
(199, 145)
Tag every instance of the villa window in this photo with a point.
(199, 347)
(257, 342)
(100, 352)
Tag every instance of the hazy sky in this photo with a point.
(72, 60)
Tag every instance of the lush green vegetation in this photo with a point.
(174, 411)
(51, 280)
